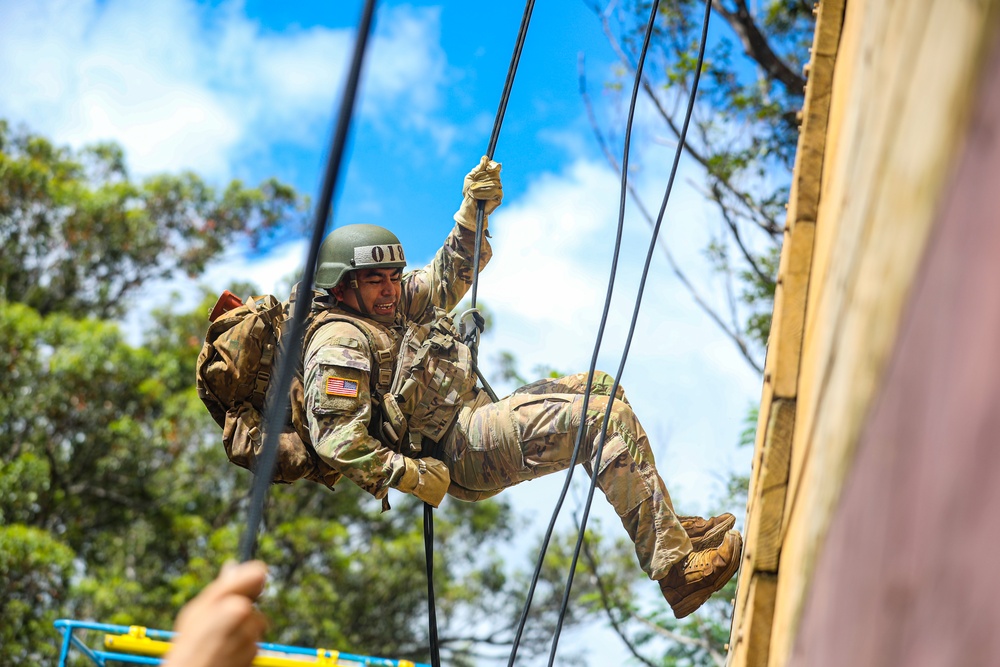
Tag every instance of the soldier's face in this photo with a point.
(380, 290)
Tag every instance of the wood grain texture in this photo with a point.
(900, 109)
(905, 576)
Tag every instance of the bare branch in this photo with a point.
(734, 229)
(761, 219)
(732, 333)
(719, 659)
(756, 46)
(609, 607)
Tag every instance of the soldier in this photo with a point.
(391, 402)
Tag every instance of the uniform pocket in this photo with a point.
(625, 482)
(542, 416)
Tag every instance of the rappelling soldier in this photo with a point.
(391, 401)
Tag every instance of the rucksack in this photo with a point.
(233, 374)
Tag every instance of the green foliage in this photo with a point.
(78, 236)
(35, 568)
(115, 459)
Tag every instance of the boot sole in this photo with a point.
(689, 604)
(714, 537)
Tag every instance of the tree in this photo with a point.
(78, 236)
(116, 500)
(742, 139)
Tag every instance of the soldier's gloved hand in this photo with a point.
(427, 479)
(481, 184)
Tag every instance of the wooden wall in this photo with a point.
(892, 86)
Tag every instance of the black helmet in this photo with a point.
(353, 247)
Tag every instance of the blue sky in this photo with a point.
(248, 89)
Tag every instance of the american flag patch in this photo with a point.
(336, 386)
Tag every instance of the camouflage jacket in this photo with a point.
(338, 367)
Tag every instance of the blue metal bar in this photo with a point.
(107, 627)
(131, 658)
(64, 651)
(68, 626)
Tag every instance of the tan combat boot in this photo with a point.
(693, 580)
(706, 533)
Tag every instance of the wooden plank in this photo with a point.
(894, 172)
(750, 644)
(774, 430)
(790, 311)
(927, 476)
(883, 35)
(764, 531)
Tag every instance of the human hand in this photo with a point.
(220, 627)
(481, 184)
(427, 479)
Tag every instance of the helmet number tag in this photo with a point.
(374, 255)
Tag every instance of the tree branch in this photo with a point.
(719, 659)
(734, 229)
(757, 47)
(731, 333)
(759, 218)
(608, 607)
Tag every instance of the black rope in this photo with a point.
(429, 557)
(597, 347)
(276, 409)
(494, 137)
(635, 316)
(522, 34)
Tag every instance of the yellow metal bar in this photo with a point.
(137, 643)
(140, 645)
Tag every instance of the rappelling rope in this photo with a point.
(276, 409)
(597, 346)
(635, 313)
(522, 33)
(473, 338)
(600, 335)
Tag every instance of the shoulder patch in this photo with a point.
(341, 386)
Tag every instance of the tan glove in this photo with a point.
(427, 479)
(481, 184)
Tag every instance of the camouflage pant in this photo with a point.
(532, 433)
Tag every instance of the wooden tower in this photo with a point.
(875, 498)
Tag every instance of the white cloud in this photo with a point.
(550, 238)
(182, 85)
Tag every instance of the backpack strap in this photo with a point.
(379, 342)
(270, 313)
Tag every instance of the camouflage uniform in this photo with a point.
(491, 446)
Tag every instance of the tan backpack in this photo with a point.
(233, 374)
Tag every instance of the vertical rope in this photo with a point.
(522, 34)
(597, 346)
(635, 316)
(276, 409)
